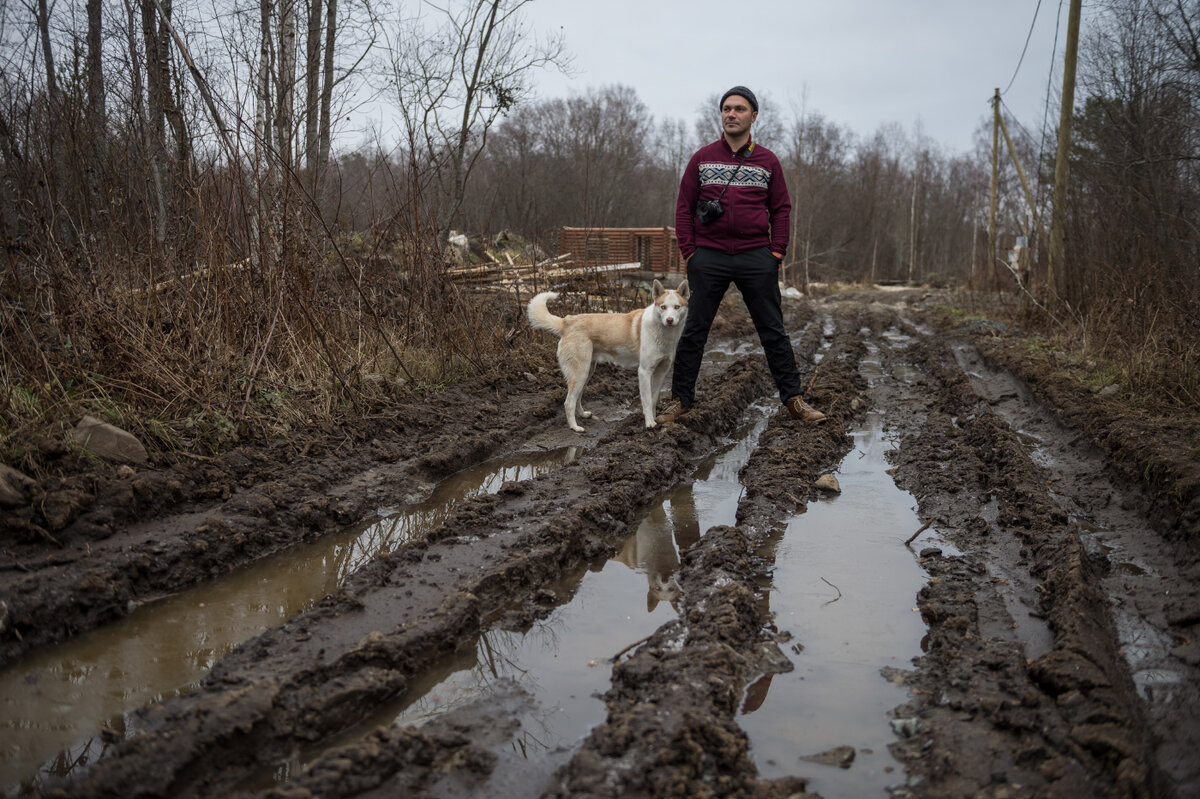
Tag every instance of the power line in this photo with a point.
(1020, 128)
(1046, 106)
(1028, 36)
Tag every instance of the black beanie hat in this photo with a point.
(741, 91)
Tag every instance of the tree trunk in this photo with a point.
(170, 107)
(312, 89)
(156, 87)
(263, 135)
(912, 231)
(137, 96)
(285, 120)
(285, 84)
(95, 105)
(263, 115)
(95, 69)
(43, 23)
(52, 112)
(324, 133)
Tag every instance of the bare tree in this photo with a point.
(453, 85)
(592, 160)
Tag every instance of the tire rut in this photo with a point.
(326, 669)
(1021, 690)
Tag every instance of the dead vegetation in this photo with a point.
(200, 297)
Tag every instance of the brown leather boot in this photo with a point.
(673, 412)
(799, 409)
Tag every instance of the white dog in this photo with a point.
(644, 339)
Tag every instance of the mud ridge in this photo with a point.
(1152, 453)
(325, 669)
(1066, 723)
(693, 673)
(126, 549)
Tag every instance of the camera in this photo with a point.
(709, 211)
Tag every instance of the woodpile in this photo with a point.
(542, 272)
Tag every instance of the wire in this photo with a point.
(1046, 107)
(1021, 60)
(1016, 123)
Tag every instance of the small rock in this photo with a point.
(107, 441)
(931, 552)
(906, 728)
(372, 640)
(829, 484)
(840, 756)
(14, 487)
(1109, 390)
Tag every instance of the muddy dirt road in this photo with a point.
(464, 598)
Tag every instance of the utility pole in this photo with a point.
(1062, 159)
(1012, 151)
(991, 259)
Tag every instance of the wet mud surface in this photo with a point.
(1061, 596)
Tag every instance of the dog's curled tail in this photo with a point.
(540, 316)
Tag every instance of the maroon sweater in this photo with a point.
(758, 208)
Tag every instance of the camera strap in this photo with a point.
(741, 161)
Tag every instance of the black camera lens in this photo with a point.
(709, 211)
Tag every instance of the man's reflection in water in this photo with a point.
(756, 694)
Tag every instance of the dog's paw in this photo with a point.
(577, 428)
(651, 423)
(586, 414)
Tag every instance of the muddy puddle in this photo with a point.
(62, 703)
(1108, 518)
(844, 587)
(564, 662)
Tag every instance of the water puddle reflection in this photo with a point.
(845, 587)
(563, 661)
(60, 704)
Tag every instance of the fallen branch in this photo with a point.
(634, 645)
(835, 588)
(924, 527)
(812, 379)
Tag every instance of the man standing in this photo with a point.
(739, 238)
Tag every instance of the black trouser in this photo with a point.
(756, 274)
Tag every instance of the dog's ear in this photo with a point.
(683, 289)
(656, 290)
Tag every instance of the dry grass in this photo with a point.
(1150, 356)
(207, 358)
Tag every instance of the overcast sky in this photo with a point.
(859, 63)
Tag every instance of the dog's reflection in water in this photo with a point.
(667, 530)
